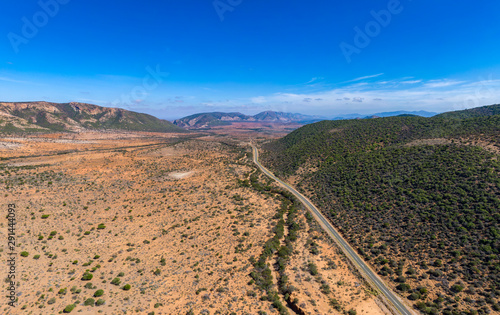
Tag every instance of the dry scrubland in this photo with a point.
(167, 225)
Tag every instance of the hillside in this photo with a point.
(207, 120)
(474, 112)
(417, 197)
(74, 117)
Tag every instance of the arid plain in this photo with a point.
(160, 223)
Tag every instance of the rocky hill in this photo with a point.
(75, 117)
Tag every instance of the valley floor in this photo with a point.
(167, 216)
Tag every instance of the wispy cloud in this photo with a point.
(442, 83)
(315, 79)
(411, 82)
(364, 78)
(13, 80)
(398, 94)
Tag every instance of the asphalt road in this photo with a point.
(369, 275)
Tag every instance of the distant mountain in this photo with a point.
(282, 117)
(421, 113)
(473, 112)
(74, 117)
(207, 120)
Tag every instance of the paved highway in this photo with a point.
(367, 273)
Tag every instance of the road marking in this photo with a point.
(367, 273)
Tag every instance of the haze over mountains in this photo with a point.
(77, 117)
(208, 120)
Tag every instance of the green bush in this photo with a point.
(36, 256)
(457, 288)
(89, 301)
(403, 287)
(126, 287)
(87, 276)
(116, 281)
(414, 296)
(69, 308)
(98, 293)
(101, 226)
(313, 269)
(99, 302)
(24, 254)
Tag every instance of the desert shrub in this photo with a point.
(457, 288)
(69, 308)
(126, 287)
(24, 254)
(101, 226)
(116, 281)
(98, 293)
(414, 296)
(89, 301)
(87, 276)
(403, 287)
(36, 256)
(313, 269)
(51, 301)
(99, 302)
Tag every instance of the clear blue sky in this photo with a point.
(252, 55)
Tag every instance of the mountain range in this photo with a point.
(213, 119)
(76, 117)
(207, 120)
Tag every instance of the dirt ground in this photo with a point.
(160, 213)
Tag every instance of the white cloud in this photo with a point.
(411, 81)
(433, 95)
(442, 83)
(12, 80)
(364, 78)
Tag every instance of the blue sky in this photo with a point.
(173, 58)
